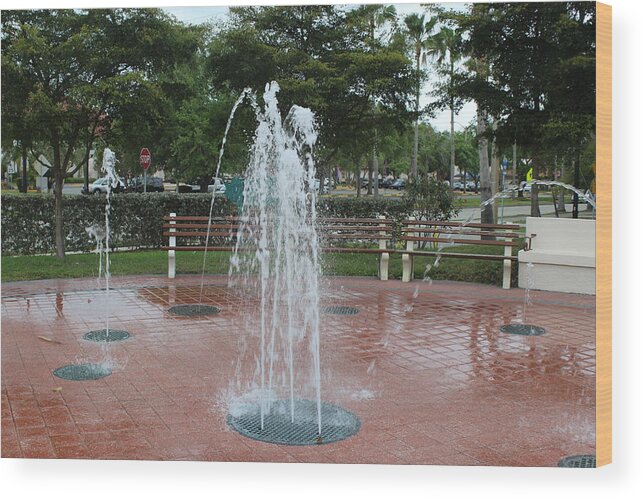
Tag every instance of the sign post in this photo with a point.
(145, 158)
(11, 170)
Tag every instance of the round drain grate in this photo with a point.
(82, 372)
(522, 329)
(194, 310)
(341, 310)
(102, 335)
(582, 461)
(337, 423)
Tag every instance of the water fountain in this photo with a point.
(101, 235)
(276, 261)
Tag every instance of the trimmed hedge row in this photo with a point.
(136, 219)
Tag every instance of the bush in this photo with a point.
(364, 207)
(431, 199)
(135, 221)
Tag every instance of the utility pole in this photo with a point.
(513, 168)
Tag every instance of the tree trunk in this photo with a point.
(513, 173)
(86, 173)
(494, 174)
(486, 212)
(59, 177)
(535, 206)
(358, 180)
(561, 192)
(452, 105)
(23, 185)
(371, 167)
(376, 168)
(414, 158)
(576, 184)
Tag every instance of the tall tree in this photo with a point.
(83, 67)
(419, 33)
(449, 43)
(541, 84)
(320, 57)
(377, 16)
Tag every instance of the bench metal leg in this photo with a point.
(506, 270)
(407, 267)
(384, 258)
(171, 264)
(171, 254)
(407, 260)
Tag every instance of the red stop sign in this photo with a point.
(145, 158)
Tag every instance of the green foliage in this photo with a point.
(363, 207)
(135, 220)
(430, 199)
(322, 57)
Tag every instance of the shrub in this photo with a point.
(135, 221)
(431, 199)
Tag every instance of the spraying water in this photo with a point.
(277, 252)
(507, 193)
(246, 94)
(109, 168)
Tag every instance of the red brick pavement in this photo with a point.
(424, 366)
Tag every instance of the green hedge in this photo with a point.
(136, 219)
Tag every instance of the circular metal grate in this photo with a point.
(82, 372)
(102, 335)
(523, 329)
(194, 310)
(340, 310)
(337, 423)
(581, 461)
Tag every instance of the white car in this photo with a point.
(99, 186)
(220, 186)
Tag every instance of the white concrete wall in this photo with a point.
(562, 256)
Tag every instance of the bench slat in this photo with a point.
(458, 255)
(329, 249)
(460, 241)
(411, 230)
(437, 223)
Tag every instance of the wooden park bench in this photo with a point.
(337, 235)
(440, 236)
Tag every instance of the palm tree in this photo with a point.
(377, 15)
(419, 31)
(448, 41)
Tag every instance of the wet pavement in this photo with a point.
(423, 366)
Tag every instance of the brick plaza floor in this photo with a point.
(424, 366)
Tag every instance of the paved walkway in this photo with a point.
(423, 366)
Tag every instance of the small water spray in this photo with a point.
(109, 167)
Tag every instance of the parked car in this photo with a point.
(399, 184)
(384, 183)
(457, 185)
(154, 184)
(99, 186)
(219, 185)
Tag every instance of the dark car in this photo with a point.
(399, 184)
(154, 184)
(385, 183)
